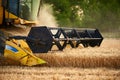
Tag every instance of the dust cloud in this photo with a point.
(45, 17)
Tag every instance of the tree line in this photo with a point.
(102, 14)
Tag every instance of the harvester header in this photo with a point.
(41, 39)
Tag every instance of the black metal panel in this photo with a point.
(95, 34)
(39, 39)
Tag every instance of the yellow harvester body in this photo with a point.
(19, 12)
(18, 50)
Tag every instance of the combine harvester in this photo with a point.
(14, 12)
(40, 39)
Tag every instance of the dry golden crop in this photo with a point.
(57, 73)
(99, 63)
(108, 55)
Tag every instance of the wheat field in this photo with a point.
(107, 55)
(99, 63)
(56, 73)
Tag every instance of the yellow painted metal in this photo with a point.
(17, 20)
(7, 15)
(24, 55)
